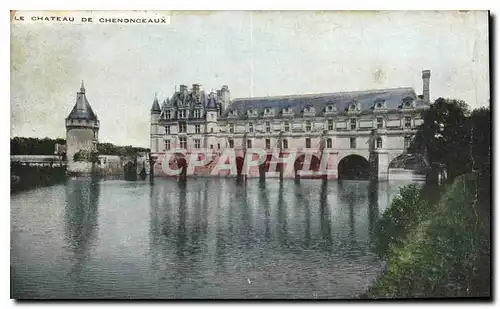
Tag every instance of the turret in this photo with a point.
(154, 126)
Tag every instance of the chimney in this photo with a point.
(183, 88)
(196, 88)
(426, 76)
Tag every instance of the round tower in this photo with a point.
(82, 129)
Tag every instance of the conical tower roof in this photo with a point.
(156, 105)
(82, 109)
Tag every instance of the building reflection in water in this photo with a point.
(324, 213)
(264, 203)
(373, 211)
(282, 227)
(206, 227)
(302, 203)
(81, 214)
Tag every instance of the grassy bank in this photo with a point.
(435, 248)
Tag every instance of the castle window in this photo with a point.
(167, 130)
(167, 114)
(182, 114)
(231, 143)
(249, 143)
(197, 113)
(268, 143)
(250, 127)
(353, 123)
(286, 126)
(211, 146)
(197, 128)
(329, 143)
(183, 142)
(379, 142)
(407, 122)
(211, 130)
(330, 125)
(231, 128)
(408, 104)
(380, 122)
(379, 105)
(353, 107)
(308, 143)
(182, 127)
(308, 125)
(197, 143)
(407, 142)
(268, 111)
(218, 146)
(352, 142)
(285, 144)
(268, 127)
(167, 144)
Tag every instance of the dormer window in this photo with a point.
(408, 102)
(252, 113)
(269, 112)
(331, 108)
(287, 111)
(353, 107)
(309, 110)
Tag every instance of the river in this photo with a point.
(205, 238)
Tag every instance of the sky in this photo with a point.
(256, 54)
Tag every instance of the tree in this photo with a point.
(86, 156)
(444, 137)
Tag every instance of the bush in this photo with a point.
(405, 212)
(445, 255)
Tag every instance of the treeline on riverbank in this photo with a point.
(439, 245)
(46, 146)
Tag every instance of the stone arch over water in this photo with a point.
(353, 167)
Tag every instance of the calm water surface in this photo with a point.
(207, 238)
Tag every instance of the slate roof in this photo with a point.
(393, 98)
(82, 109)
(156, 105)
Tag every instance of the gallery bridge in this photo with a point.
(374, 164)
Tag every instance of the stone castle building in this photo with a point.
(82, 129)
(352, 125)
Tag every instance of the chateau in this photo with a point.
(342, 122)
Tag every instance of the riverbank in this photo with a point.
(436, 247)
(29, 177)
